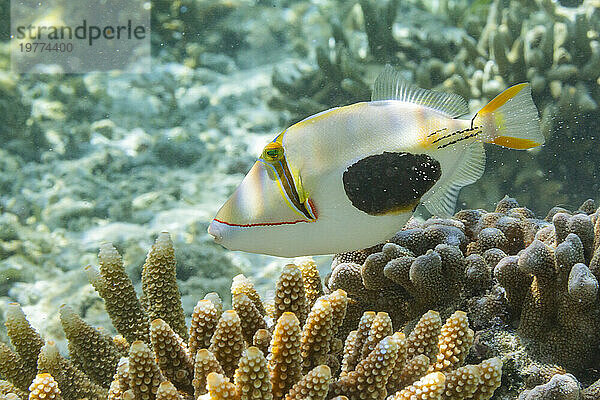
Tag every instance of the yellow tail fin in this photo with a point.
(511, 119)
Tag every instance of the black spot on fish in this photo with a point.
(390, 182)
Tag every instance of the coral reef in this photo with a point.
(308, 361)
(507, 268)
(388, 322)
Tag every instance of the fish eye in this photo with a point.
(273, 152)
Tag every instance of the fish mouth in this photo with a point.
(215, 229)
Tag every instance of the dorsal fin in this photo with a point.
(390, 85)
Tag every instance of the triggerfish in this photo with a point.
(350, 177)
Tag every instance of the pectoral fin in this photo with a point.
(390, 183)
(441, 200)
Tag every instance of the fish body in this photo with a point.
(350, 177)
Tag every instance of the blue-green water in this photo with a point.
(109, 156)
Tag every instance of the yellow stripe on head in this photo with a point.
(282, 190)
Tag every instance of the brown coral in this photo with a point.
(541, 275)
(376, 359)
(227, 343)
(171, 355)
(252, 376)
(93, 352)
(160, 285)
(121, 302)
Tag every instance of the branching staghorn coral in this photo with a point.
(161, 292)
(73, 383)
(115, 287)
(44, 387)
(90, 350)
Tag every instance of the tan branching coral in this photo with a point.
(11, 392)
(462, 382)
(160, 285)
(455, 340)
(407, 371)
(285, 363)
(121, 302)
(314, 385)
(372, 373)
(424, 337)
(241, 284)
(168, 391)
(316, 335)
(73, 383)
(204, 321)
(227, 343)
(219, 387)
(313, 287)
(13, 368)
(295, 361)
(252, 376)
(26, 340)
(120, 383)
(429, 387)
(250, 318)
(144, 374)
(490, 372)
(93, 352)
(44, 387)
(172, 356)
(381, 326)
(289, 293)
(205, 363)
(262, 339)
